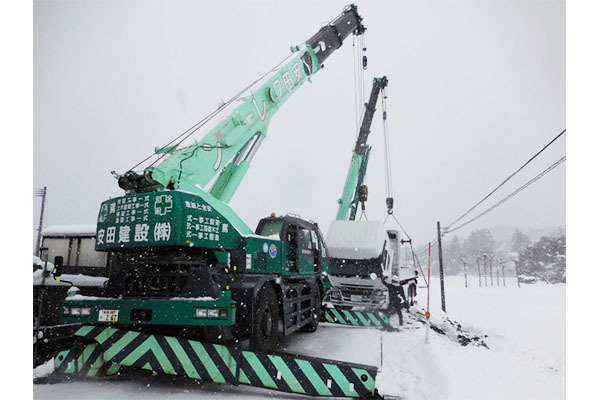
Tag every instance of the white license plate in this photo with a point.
(108, 315)
(355, 297)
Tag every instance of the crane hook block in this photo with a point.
(363, 193)
(389, 202)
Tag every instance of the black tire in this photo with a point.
(315, 311)
(265, 328)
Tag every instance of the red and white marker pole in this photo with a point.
(427, 314)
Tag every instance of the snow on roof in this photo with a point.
(77, 280)
(356, 239)
(69, 230)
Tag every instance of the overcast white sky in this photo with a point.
(476, 88)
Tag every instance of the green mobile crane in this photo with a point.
(189, 280)
(183, 261)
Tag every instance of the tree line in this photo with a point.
(542, 260)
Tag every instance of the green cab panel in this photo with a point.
(168, 218)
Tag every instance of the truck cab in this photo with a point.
(307, 253)
(362, 254)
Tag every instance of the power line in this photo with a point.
(506, 180)
(504, 200)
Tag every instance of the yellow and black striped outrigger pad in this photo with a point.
(105, 350)
(374, 319)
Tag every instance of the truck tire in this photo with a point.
(315, 311)
(265, 328)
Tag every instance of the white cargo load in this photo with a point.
(356, 239)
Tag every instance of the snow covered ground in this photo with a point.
(525, 359)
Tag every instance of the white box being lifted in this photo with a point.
(361, 253)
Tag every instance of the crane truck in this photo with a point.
(362, 252)
(190, 281)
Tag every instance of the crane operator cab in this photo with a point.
(303, 240)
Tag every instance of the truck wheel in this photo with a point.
(264, 331)
(315, 311)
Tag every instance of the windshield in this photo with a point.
(270, 228)
(362, 268)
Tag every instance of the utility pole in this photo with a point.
(465, 267)
(503, 276)
(40, 193)
(478, 269)
(517, 271)
(439, 230)
(485, 268)
(492, 269)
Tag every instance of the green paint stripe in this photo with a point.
(384, 318)
(113, 369)
(104, 335)
(369, 383)
(87, 352)
(341, 319)
(259, 369)
(243, 378)
(227, 357)
(350, 317)
(84, 330)
(205, 359)
(362, 319)
(340, 379)
(374, 319)
(184, 360)
(313, 377)
(160, 355)
(286, 374)
(119, 345)
(60, 358)
(328, 317)
(149, 344)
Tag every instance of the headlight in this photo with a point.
(213, 313)
(201, 312)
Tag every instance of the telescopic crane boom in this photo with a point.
(218, 162)
(354, 189)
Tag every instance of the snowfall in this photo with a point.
(525, 358)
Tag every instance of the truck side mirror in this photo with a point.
(58, 264)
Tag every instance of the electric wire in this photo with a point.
(505, 199)
(506, 180)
